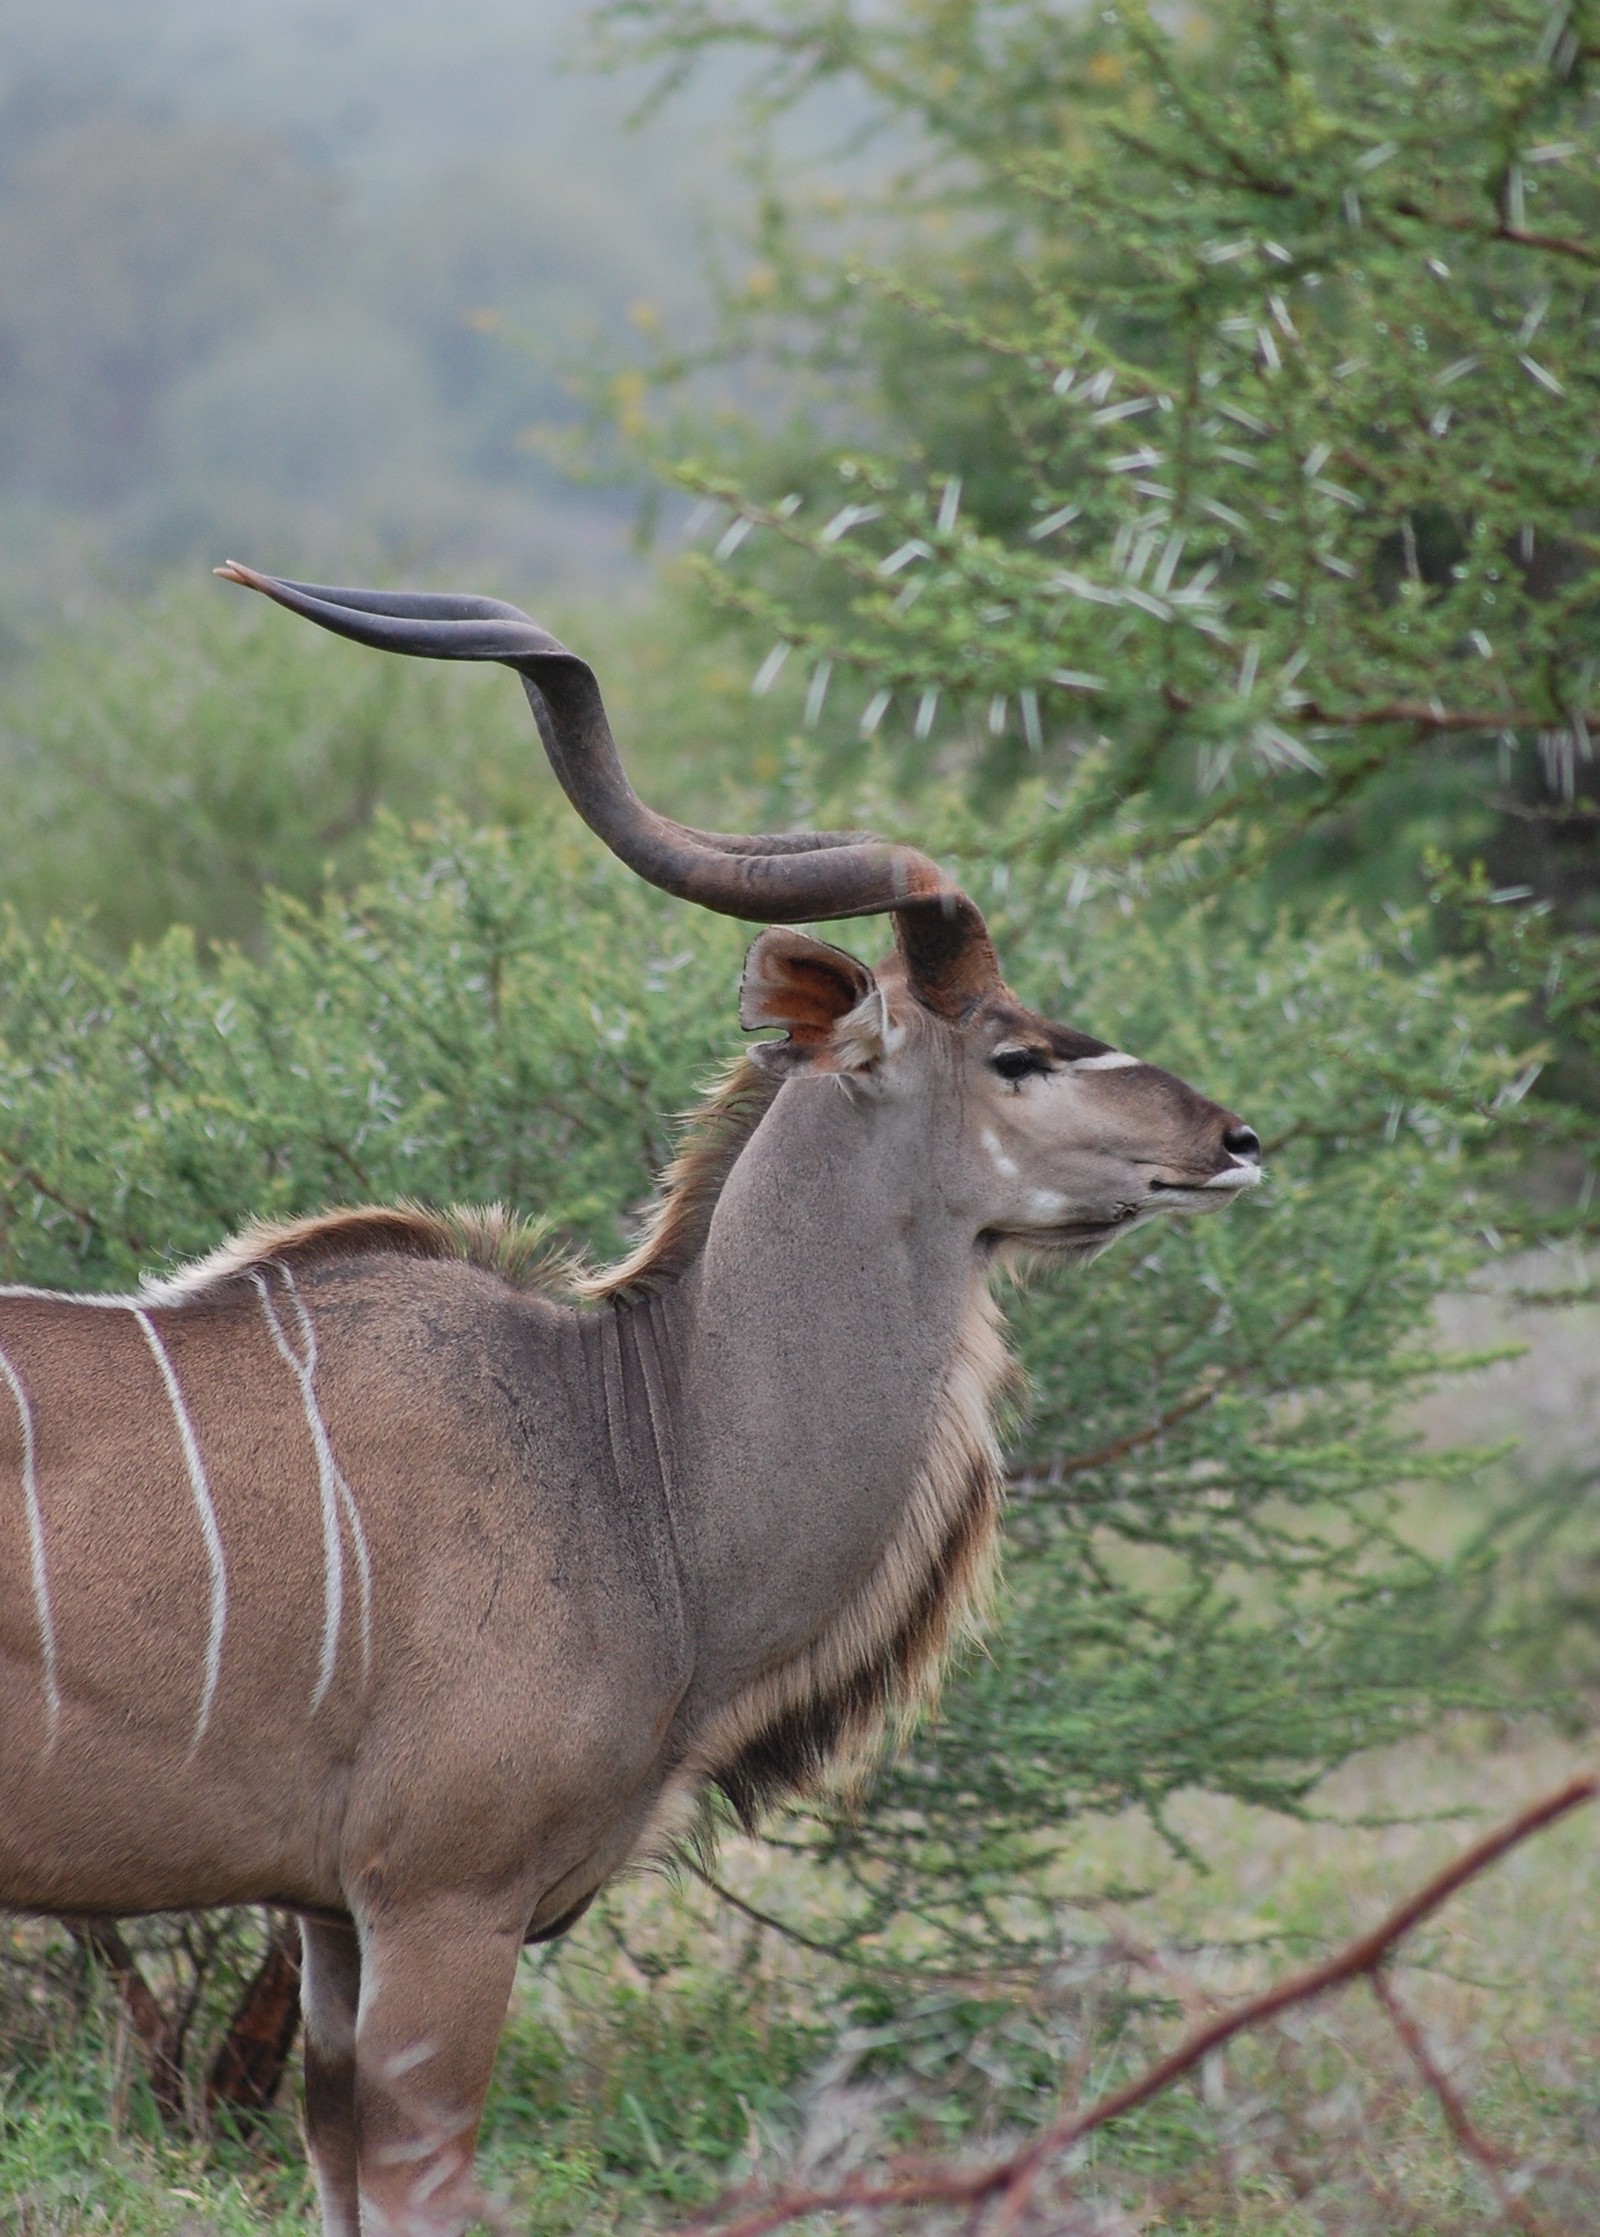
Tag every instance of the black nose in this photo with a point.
(1244, 1141)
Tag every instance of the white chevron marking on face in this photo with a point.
(36, 1561)
(1005, 1166)
(208, 1524)
(1113, 1060)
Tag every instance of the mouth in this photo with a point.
(1203, 1196)
(1084, 1237)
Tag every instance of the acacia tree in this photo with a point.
(1217, 506)
(1228, 402)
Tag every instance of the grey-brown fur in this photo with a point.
(387, 1568)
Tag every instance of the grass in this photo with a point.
(672, 2046)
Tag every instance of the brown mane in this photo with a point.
(501, 1241)
(680, 1213)
(521, 1251)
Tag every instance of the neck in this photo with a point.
(835, 1354)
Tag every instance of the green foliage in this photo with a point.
(652, 2087)
(629, 2079)
(484, 1017)
(168, 762)
(81, 2144)
(1236, 387)
(1211, 1582)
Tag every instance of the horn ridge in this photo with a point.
(783, 878)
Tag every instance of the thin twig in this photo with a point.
(1469, 2138)
(1016, 2177)
(763, 1918)
(1180, 1411)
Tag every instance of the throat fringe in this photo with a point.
(822, 1717)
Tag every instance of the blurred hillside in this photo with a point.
(296, 278)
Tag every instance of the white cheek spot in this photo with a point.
(403, 2062)
(1047, 1203)
(1113, 1061)
(1003, 1165)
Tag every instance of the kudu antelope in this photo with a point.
(361, 1570)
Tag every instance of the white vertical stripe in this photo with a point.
(208, 1525)
(347, 1499)
(358, 1539)
(303, 1370)
(41, 1580)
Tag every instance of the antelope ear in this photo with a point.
(805, 986)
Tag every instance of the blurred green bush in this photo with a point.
(167, 762)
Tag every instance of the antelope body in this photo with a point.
(370, 1570)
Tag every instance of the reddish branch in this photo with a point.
(1423, 714)
(1180, 1410)
(1010, 2182)
(1469, 2137)
(1429, 715)
(249, 2063)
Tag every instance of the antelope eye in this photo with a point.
(1017, 1064)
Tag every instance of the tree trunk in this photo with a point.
(248, 2067)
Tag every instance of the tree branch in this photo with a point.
(1196, 1401)
(1013, 2180)
(1469, 2138)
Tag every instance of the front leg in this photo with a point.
(330, 1985)
(436, 1977)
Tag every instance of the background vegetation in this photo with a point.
(303, 279)
(1173, 499)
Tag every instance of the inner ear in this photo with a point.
(801, 984)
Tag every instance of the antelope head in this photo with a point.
(1038, 1136)
(1041, 1137)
